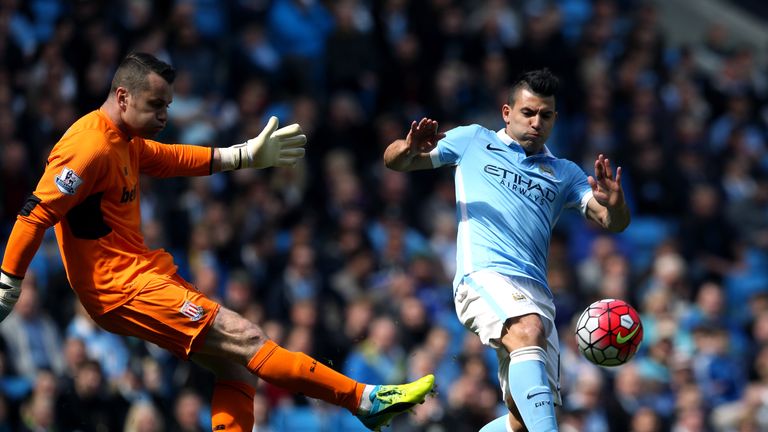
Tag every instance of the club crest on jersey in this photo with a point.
(546, 169)
(68, 181)
(192, 311)
(516, 296)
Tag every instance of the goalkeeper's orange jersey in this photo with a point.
(90, 192)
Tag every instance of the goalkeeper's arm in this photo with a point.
(272, 148)
(23, 242)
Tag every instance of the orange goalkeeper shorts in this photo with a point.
(168, 311)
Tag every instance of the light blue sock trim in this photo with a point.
(498, 425)
(530, 390)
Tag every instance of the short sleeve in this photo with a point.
(579, 192)
(451, 148)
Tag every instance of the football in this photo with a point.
(609, 332)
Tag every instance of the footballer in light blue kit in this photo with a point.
(510, 192)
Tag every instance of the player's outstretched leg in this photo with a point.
(384, 402)
(240, 340)
(375, 406)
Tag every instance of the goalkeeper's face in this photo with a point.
(145, 111)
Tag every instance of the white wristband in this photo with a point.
(232, 157)
(10, 281)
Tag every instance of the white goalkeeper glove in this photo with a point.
(273, 147)
(10, 290)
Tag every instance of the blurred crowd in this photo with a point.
(351, 262)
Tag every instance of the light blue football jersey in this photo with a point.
(507, 203)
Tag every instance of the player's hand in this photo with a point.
(423, 136)
(276, 147)
(605, 187)
(10, 290)
(272, 148)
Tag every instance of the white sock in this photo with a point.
(365, 401)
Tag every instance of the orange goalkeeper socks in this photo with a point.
(301, 373)
(232, 406)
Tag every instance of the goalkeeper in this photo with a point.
(89, 192)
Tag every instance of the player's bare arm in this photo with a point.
(412, 153)
(607, 206)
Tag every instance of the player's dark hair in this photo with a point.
(540, 81)
(134, 69)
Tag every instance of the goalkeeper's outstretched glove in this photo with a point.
(273, 147)
(10, 290)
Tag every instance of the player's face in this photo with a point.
(146, 111)
(530, 120)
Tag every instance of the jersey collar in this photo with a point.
(506, 139)
(112, 125)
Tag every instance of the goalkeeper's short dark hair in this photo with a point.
(540, 81)
(134, 69)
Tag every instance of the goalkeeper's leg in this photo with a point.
(236, 339)
(232, 401)
(173, 315)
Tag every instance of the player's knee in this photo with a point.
(253, 335)
(233, 327)
(234, 337)
(523, 331)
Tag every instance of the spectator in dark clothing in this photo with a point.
(707, 237)
(90, 407)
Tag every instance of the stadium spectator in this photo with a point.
(32, 339)
(143, 417)
(90, 405)
(380, 356)
(38, 413)
(675, 116)
(108, 349)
